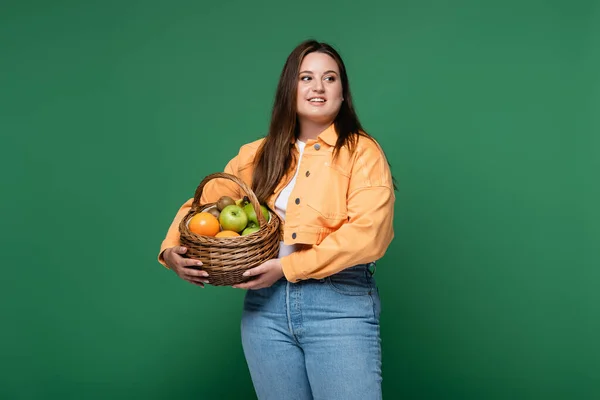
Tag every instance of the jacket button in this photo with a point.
(317, 146)
(294, 235)
(297, 201)
(307, 173)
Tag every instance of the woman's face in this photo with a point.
(319, 95)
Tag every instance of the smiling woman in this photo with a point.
(319, 94)
(310, 326)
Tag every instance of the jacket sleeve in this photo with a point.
(366, 235)
(210, 194)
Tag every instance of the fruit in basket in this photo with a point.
(250, 230)
(242, 202)
(214, 211)
(227, 234)
(204, 224)
(224, 201)
(252, 217)
(233, 218)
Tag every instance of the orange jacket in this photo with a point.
(343, 210)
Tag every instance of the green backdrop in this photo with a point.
(112, 112)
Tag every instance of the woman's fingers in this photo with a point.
(190, 262)
(193, 282)
(198, 273)
(187, 268)
(195, 276)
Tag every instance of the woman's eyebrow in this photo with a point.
(326, 72)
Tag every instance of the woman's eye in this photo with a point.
(330, 78)
(305, 78)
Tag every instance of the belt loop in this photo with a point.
(371, 268)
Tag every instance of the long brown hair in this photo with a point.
(275, 156)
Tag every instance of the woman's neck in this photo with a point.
(310, 130)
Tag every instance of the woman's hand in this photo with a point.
(183, 267)
(265, 274)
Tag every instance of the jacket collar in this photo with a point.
(329, 135)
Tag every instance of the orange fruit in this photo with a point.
(227, 234)
(204, 224)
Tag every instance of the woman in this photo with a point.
(310, 325)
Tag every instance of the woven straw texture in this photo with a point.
(225, 259)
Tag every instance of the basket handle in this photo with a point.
(251, 196)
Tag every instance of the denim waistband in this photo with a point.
(370, 267)
(358, 269)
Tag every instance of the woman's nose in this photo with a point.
(318, 87)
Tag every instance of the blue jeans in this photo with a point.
(315, 339)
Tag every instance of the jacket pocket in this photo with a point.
(327, 198)
(329, 216)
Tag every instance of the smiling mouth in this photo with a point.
(317, 100)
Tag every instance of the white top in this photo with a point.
(282, 201)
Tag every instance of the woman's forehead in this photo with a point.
(318, 61)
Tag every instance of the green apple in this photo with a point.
(250, 230)
(233, 218)
(252, 217)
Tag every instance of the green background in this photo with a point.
(112, 112)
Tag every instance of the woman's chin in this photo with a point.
(316, 117)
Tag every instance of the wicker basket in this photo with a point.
(225, 259)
